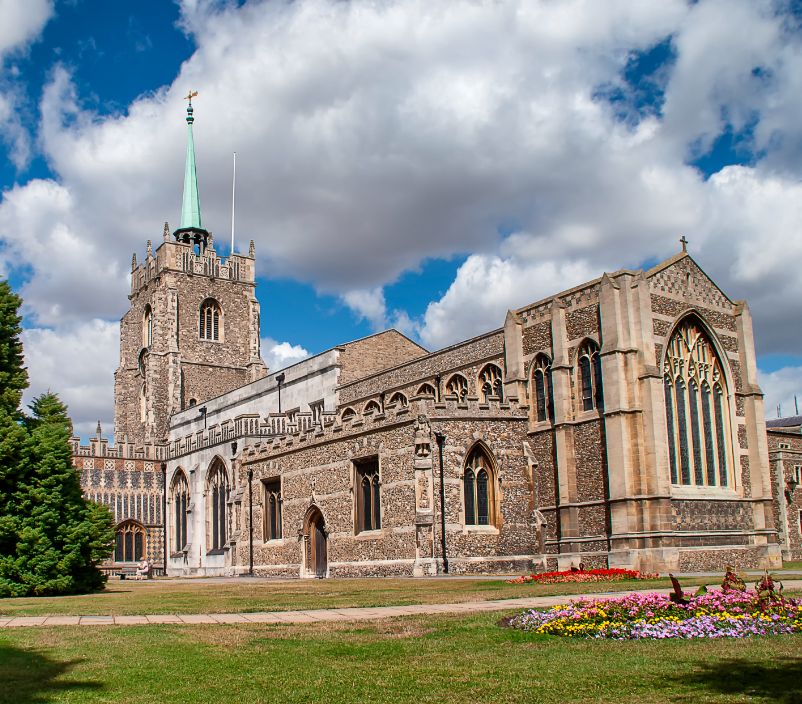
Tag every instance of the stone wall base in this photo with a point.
(707, 559)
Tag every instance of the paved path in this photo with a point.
(318, 615)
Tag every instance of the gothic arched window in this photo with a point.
(426, 390)
(179, 495)
(372, 407)
(479, 489)
(368, 497)
(216, 500)
(457, 386)
(490, 382)
(347, 414)
(543, 391)
(147, 326)
(210, 320)
(697, 408)
(129, 542)
(271, 511)
(399, 399)
(590, 376)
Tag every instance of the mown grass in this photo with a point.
(231, 596)
(439, 659)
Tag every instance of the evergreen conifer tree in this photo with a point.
(51, 538)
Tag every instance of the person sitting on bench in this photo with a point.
(143, 569)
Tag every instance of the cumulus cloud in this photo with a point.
(371, 136)
(78, 364)
(21, 21)
(278, 355)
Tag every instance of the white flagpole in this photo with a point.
(233, 195)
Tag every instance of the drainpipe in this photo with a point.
(437, 384)
(441, 439)
(250, 521)
(164, 515)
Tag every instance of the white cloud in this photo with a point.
(278, 355)
(780, 388)
(78, 364)
(371, 136)
(21, 21)
(368, 304)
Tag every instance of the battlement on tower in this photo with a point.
(189, 259)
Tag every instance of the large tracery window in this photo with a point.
(543, 391)
(216, 500)
(180, 499)
(590, 376)
(490, 382)
(210, 318)
(130, 542)
(479, 493)
(697, 412)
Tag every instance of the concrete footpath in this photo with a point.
(318, 615)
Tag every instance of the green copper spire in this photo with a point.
(191, 228)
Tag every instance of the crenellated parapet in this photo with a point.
(335, 427)
(185, 258)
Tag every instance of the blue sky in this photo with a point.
(410, 165)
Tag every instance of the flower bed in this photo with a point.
(582, 576)
(716, 614)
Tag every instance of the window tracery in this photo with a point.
(209, 320)
(216, 500)
(543, 390)
(457, 386)
(697, 403)
(180, 499)
(491, 383)
(479, 489)
(590, 376)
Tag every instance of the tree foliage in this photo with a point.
(51, 538)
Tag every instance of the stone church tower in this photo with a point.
(192, 330)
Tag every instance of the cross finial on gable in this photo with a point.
(684, 243)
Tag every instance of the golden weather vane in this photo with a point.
(190, 96)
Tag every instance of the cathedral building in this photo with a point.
(618, 423)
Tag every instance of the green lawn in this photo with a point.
(231, 596)
(418, 659)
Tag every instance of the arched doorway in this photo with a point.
(315, 543)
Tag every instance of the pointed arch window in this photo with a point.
(147, 326)
(590, 376)
(479, 489)
(271, 527)
(348, 414)
(457, 386)
(543, 391)
(129, 542)
(179, 495)
(426, 390)
(368, 497)
(491, 383)
(216, 502)
(697, 416)
(210, 320)
(399, 400)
